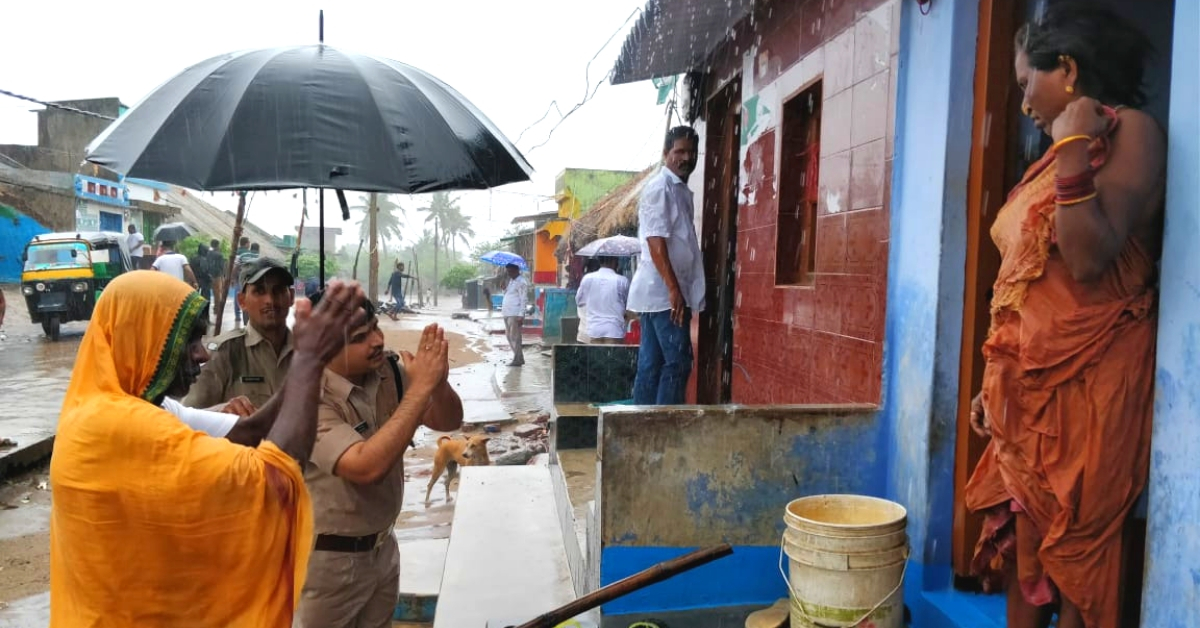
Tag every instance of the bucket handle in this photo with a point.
(800, 605)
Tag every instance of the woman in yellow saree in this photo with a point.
(154, 524)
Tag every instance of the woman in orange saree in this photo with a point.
(1067, 393)
(152, 523)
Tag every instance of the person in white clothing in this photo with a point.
(516, 299)
(668, 286)
(175, 264)
(135, 243)
(237, 421)
(604, 294)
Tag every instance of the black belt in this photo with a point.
(335, 543)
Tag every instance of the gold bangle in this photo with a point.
(1076, 201)
(1067, 140)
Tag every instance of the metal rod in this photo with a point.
(640, 580)
(321, 27)
(321, 236)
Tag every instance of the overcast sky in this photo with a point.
(511, 58)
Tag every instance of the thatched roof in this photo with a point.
(614, 213)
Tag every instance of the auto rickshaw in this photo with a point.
(64, 274)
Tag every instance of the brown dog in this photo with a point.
(452, 452)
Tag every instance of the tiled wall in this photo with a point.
(820, 343)
(593, 373)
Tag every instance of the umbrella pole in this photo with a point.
(321, 237)
(230, 279)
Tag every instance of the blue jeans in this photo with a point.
(664, 360)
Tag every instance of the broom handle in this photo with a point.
(640, 580)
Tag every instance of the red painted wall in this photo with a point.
(821, 343)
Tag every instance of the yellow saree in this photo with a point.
(154, 524)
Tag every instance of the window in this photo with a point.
(91, 187)
(798, 173)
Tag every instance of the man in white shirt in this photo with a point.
(175, 264)
(516, 299)
(669, 283)
(135, 243)
(604, 294)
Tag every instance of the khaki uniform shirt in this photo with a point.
(350, 414)
(242, 363)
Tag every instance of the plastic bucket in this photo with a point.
(847, 555)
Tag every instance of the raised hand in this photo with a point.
(321, 332)
(430, 367)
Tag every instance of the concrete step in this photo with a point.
(506, 558)
(421, 563)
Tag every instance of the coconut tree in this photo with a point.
(440, 212)
(382, 223)
(457, 228)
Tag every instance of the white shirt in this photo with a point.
(215, 424)
(172, 264)
(665, 210)
(135, 242)
(516, 297)
(604, 293)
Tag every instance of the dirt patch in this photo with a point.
(24, 536)
(463, 350)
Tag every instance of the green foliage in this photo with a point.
(189, 245)
(456, 277)
(308, 265)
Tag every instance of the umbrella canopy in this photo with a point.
(173, 232)
(504, 258)
(615, 246)
(309, 116)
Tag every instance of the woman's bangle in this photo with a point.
(1067, 140)
(1075, 201)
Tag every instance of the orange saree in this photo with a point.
(1068, 393)
(154, 524)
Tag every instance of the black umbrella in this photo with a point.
(309, 116)
(173, 232)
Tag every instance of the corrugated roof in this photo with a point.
(675, 36)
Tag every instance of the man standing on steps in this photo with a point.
(668, 286)
(251, 361)
(371, 406)
(516, 299)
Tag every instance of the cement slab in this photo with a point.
(506, 557)
(421, 564)
(25, 612)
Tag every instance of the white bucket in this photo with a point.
(847, 557)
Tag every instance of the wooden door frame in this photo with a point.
(991, 146)
(712, 380)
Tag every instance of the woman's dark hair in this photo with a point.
(1110, 52)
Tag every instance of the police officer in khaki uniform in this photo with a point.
(371, 405)
(251, 361)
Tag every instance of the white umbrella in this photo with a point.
(615, 246)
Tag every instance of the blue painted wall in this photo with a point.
(673, 479)
(1171, 596)
(925, 276)
(16, 229)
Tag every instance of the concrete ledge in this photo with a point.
(573, 426)
(21, 457)
(506, 557)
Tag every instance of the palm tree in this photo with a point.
(381, 224)
(440, 212)
(457, 228)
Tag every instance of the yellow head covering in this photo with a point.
(154, 524)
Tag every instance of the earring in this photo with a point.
(1070, 89)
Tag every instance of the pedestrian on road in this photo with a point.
(669, 283)
(603, 293)
(252, 361)
(135, 243)
(516, 299)
(202, 269)
(216, 268)
(243, 255)
(371, 406)
(205, 531)
(175, 265)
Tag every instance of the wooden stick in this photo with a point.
(230, 280)
(637, 581)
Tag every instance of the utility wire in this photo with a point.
(589, 91)
(53, 105)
